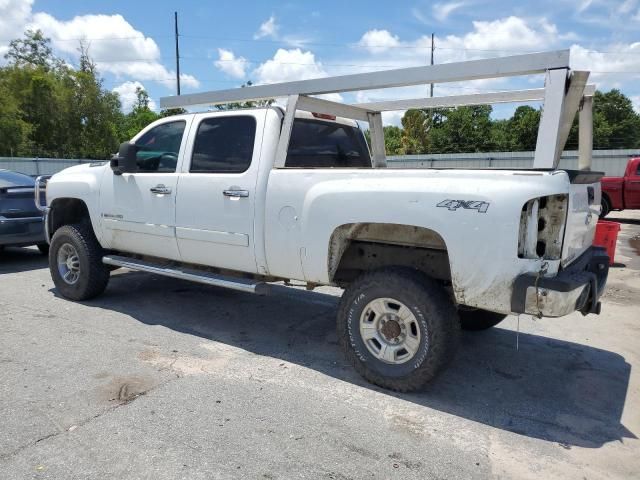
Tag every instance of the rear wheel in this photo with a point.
(397, 327)
(75, 262)
(475, 320)
(606, 207)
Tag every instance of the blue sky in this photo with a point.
(225, 43)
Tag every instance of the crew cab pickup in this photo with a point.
(243, 198)
(622, 193)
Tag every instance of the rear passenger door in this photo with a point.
(215, 205)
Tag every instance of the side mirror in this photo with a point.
(125, 160)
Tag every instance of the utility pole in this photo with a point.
(432, 49)
(175, 16)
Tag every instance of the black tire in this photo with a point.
(93, 275)
(476, 320)
(44, 248)
(434, 314)
(606, 207)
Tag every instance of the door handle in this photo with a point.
(160, 190)
(236, 193)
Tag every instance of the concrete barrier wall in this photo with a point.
(612, 162)
(39, 166)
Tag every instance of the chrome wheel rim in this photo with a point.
(390, 331)
(68, 264)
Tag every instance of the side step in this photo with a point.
(241, 284)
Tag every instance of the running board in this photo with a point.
(240, 284)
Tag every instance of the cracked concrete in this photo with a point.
(161, 379)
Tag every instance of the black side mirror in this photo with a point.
(125, 160)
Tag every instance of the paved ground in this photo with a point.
(162, 379)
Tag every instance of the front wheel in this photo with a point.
(397, 327)
(75, 262)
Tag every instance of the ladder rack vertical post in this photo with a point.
(585, 133)
(377, 140)
(285, 133)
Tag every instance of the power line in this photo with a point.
(426, 46)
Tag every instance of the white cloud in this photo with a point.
(485, 39)
(287, 65)
(583, 5)
(268, 28)
(377, 41)
(127, 52)
(441, 11)
(627, 6)
(127, 93)
(636, 102)
(290, 65)
(230, 64)
(14, 14)
(508, 34)
(625, 59)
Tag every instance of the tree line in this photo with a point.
(51, 109)
(471, 129)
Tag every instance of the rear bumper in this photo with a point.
(576, 288)
(22, 231)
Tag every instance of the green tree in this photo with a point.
(393, 140)
(140, 116)
(34, 50)
(523, 129)
(55, 110)
(462, 129)
(168, 112)
(415, 135)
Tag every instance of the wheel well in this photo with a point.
(605, 196)
(66, 211)
(359, 247)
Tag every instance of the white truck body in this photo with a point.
(284, 227)
(238, 193)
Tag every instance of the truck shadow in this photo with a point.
(16, 259)
(549, 389)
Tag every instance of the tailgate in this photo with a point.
(583, 212)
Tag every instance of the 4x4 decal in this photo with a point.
(452, 205)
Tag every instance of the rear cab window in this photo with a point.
(326, 144)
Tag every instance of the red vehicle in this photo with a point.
(621, 193)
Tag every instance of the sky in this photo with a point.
(225, 43)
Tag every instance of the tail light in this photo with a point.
(542, 223)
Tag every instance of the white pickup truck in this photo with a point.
(242, 198)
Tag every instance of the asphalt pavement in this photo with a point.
(164, 379)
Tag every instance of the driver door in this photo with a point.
(138, 209)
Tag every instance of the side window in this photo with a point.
(224, 145)
(317, 144)
(158, 148)
(638, 169)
